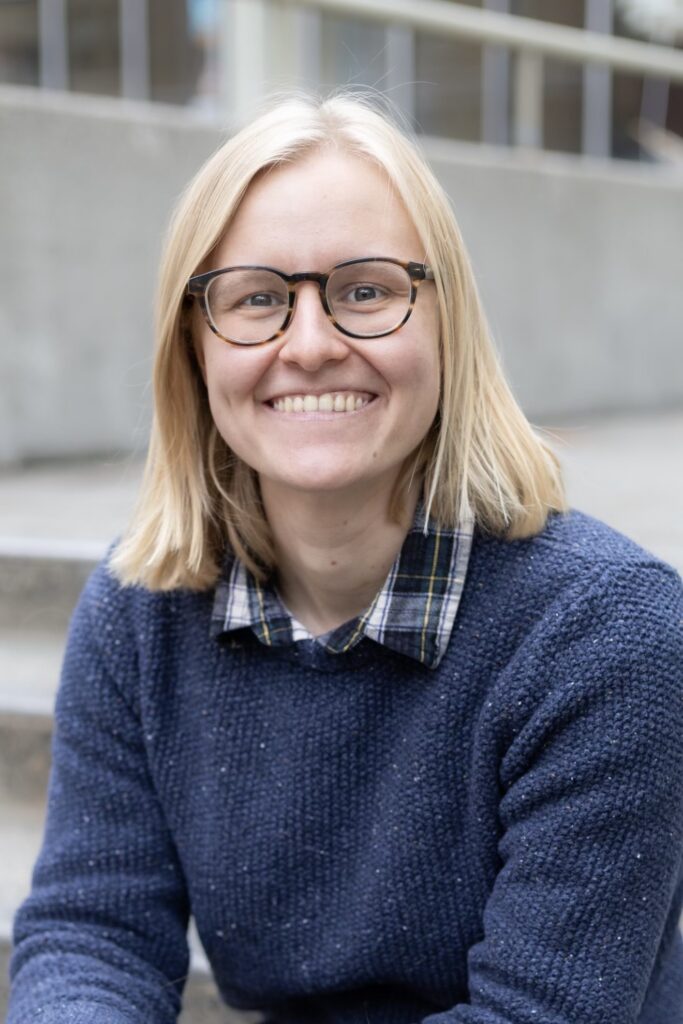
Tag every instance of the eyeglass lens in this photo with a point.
(366, 299)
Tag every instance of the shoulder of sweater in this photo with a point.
(576, 576)
(114, 607)
(573, 546)
(578, 610)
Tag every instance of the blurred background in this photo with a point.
(556, 127)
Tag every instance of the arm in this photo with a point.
(101, 938)
(591, 812)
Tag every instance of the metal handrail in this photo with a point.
(515, 50)
(525, 35)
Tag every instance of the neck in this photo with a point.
(333, 550)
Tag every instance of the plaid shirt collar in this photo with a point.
(413, 613)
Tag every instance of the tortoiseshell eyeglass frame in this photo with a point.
(197, 287)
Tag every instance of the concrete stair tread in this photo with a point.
(20, 832)
(30, 661)
(40, 583)
(87, 502)
(66, 549)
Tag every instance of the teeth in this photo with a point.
(340, 402)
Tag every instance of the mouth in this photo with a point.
(335, 402)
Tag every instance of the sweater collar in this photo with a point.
(413, 612)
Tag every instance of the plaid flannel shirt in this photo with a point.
(413, 612)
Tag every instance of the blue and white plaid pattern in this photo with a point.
(413, 613)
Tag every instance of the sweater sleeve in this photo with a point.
(102, 937)
(582, 917)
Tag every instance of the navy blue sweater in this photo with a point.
(363, 840)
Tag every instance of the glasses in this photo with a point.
(363, 298)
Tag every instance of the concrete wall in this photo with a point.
(579, 264)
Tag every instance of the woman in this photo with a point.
(403, 732)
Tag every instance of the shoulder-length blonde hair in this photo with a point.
(481, 458)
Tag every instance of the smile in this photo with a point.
(336, 402)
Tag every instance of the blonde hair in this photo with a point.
(481, 458)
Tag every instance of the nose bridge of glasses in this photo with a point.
(317, 283)
(308, 275)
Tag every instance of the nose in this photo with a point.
(311, 338)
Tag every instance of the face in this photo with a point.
(309, 216)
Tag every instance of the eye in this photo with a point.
(259, 300)
(360, 293)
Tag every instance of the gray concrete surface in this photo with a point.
(74, 507)
(628, 471)
(578, 262)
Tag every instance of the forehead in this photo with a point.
(323, 208)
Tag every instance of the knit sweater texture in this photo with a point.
(360, 838)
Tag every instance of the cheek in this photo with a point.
(431, 352)
(230, 377)
(430, 392)
(422, 368)
(230, 374)
(426, 385)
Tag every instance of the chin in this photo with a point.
(322, 478)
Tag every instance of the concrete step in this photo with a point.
(40, 580)
(30, 661)
(70, 501)
(57, 520)
(21, 829)
(628, 471)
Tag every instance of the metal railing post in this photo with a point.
(307, 27)
(596, 113)
(243, 44)
(528, 100)
(495, 86)
(399, 82)
(53, 44)
(134, 49)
